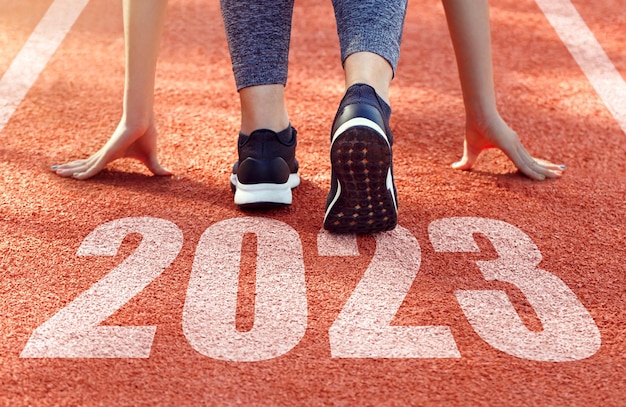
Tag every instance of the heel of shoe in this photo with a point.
(264, 194)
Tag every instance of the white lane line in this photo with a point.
(36, 53)
(589, 55)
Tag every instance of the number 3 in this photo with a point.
(569, 333)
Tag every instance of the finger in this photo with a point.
(69, 169)
(156, 168)
(544, 167)
(549, 165)
(470, 155)
(161, 171)
(71, 164)
(525, 163)
(85, 173)
(93, 166)
(64, 173)
(463, 164)
(535, 169)
(549, 171)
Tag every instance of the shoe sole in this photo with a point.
(263, 195)
(365, 200)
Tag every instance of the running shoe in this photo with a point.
(267, 168)
(363, 197)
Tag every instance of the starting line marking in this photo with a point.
(36, 53)
(588, 54)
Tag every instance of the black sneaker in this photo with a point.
(362, 196)
(267, 169)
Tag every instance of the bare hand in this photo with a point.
(124, 143)
(500, 135)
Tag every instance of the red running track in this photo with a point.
(135, 290)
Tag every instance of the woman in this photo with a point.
(258, 35)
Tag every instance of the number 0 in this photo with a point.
(280, 318)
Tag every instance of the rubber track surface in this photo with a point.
(294, 293)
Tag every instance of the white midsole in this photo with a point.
(391, 189)
(264, 192)
(332, 203)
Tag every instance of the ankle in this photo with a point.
(263, 107)
(370, 69)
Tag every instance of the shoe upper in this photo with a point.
(266, 157)
(361, 100)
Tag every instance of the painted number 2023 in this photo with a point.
(363, 327)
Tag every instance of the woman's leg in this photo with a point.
(258, 34)
(369, 33)
(362, 197)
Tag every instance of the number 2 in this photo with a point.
(74, 331)
(363, 328)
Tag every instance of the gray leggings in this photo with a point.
(259, 31)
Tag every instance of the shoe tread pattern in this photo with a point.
(361, 159)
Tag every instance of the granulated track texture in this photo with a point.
(493, 290)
